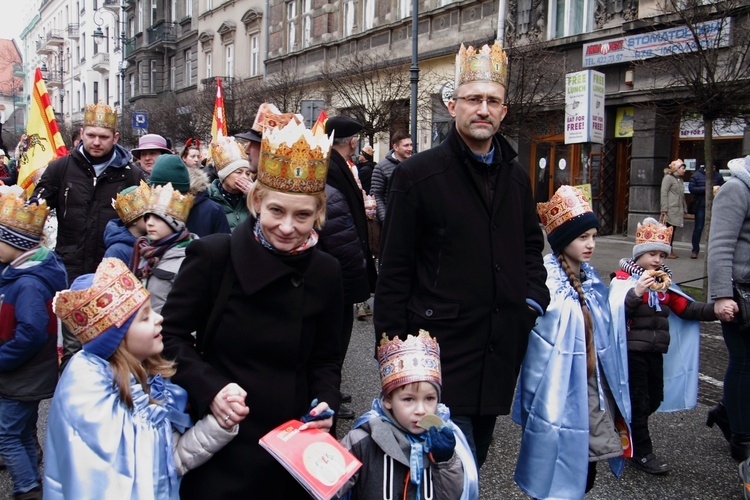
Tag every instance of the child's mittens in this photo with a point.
(309, 416)
(441, 443)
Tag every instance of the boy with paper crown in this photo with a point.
(117, 425)
(410, 431)
(655, 314)
(158, 255)
(31, 275)
(121, 234)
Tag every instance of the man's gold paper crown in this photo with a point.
(133, 204)
(294, 159)
(168, 201)
(100, 115)
(653, 232)
(417, 359)
(567, 202)
(26, 219)
(488, 64)
(111, 300)
(269, 116)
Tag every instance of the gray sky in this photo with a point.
(14, 18)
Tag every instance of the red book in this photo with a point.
(313, 457)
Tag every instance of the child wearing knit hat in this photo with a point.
(117, 426)
(648, 309)
(158, 255)
(407, 440)
(31, 275)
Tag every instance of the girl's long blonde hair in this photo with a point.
(123, 364)
(588, 320)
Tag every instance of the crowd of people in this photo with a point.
(203, 301)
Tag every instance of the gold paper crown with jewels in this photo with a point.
(132, 203)
(653, 232)
(165, 200)
(100, 115)
(113, 297)
(227, 152)
(294, 159)
(567, 203)
(417, 359)
(269, 116)
(23, 225)
(488, 64)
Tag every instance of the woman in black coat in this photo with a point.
(276, 335)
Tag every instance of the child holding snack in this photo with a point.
(117, 426)
(31, 274)
(121, 234)
(571, 387)
(646, 307)
(158, 256)
(409, 431)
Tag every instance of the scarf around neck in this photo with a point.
(152, 251)
(633, 269)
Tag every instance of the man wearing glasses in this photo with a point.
(461, 251)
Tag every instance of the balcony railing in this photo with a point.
(162, 32)
(73, 31)
(130, 46)
(100, 62)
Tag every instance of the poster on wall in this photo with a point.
(584, 107)
(624, 122)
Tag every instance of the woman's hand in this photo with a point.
(324, 424)
(229, 406)
(644, 283)
(243, 184)
(725, 309)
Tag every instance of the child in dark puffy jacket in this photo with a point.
(648, 302)
(121, 234)
(30, 275)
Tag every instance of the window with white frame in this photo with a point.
(153, 76)
(132, 85)
(141, 83)
(188, 8)
(306, 23)
(83, 47)
(153, 12)
(368, 14)
(229, 60)
(209, 4)
(404, 8)
(173, 10)
(106, 91)
(188, 67)
(291, 25)
(570, 17)
(209, 65)
(254, 55)
(140, 16)
(349, 9)
(172, 73)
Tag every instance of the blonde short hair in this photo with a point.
(258, 190)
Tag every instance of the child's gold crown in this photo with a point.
(168, 201)
(417, 359)
(132, 203)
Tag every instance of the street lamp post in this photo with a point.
(99, 38)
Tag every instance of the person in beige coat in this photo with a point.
(673, 206)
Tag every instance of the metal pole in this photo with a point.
(414, 70)
(501, 8)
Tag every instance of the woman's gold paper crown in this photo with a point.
(100, 115)
(226, 151)
(401, 362)
(17, 215)
(294, 159)
(167, 200)
(567, 202)
(488, 64)
(133, 204)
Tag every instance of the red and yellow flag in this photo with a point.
(45, 143)
(218, 124)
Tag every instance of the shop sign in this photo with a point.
(584, 107)
(624, 122)
(691, 127)
(680, 39)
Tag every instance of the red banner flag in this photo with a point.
(45, 143)
(218, 124)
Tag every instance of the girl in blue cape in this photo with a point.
(117, 426)
(570, 390)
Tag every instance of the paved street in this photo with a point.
(699, 456)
